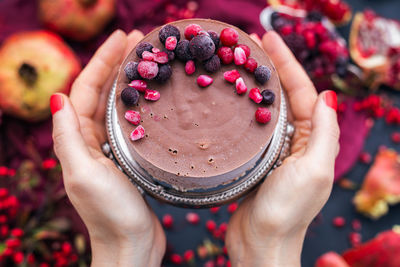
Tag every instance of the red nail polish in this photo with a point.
(330, 98)
(56, 103)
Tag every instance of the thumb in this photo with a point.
(323, 145)
(69, 144)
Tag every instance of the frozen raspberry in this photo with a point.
(239, 56)
(268, 97)
(231, 76)
(147, 69)
(263, 115)
(190, 67)
(170, 43)
(161, 57)
(138, 133)
(214, 36)
(204, 80)
(225, 54)
(250, 65)
(255, 95)
(133, 117)
(167, 31)
(202, 47)
(139, 85)
(192, 218)
(240, 86)
(229, 37)
(182, 51)
(191, 31)
(164, 73)
(262, 74)
(171, 54)
(168, 221)
(143, 46)
(151, 95)
(146, 55)
(130, 96)
(213, 64)
(245, 48)
(131, 71)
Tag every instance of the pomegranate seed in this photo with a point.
(211, 226)
(151, 95)
(161, 57)
(146, 55)
(3, 193)
(192, 30)
(31, 258)
(209, 263)
(13, 243)
(220, 261)
(229, 37)
(188, 256)
(240, 86)
(245, 48)
(310, 39)
(395, 137)
(133, 117)
(355, 239)
(18, 257)
(356, 224)
(11, 172)
(204, 80)
(170, 43)
(231, 76)
(214, 210)
(3, 171)
(286, 30)
(155, 50)
(255, 95)
(228, 264)
(176, 259)
(250, 65)
(225, 54)
(139, 85)
(138, 133)
(48, 164)
(365, 157)
(17, 232)
(167, 221)
(233, 207)
(223, 227)
(192, 218)
(339, 221)
(148, 69)
(239, 56)
(263, 115)
(190, 67)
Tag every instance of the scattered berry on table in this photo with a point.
(255, 95)
(147, 69)
(202, 47)
(212, 64)
(263, 115)
(130, 96)
(204, 80)
(231, 76)
(167, 31)
(229, 37)
(225, 54)
(182, 51)
(143, 46)
(164, 73)
(133, 117)
(131, 71)
(268, 97)
(139, 85)
(151, 95)
(262, 74)
(137, 133)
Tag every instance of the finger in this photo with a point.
(293, 77)
(323, 145)
(134, 37)
(87, 88)
(69, 144)
(256, 38)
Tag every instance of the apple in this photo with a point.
(33, 66)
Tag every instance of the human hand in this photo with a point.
(122, 228)
(269, 226)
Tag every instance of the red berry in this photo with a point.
(66, 248)
(17, 232)
(250, 65)
(151, 95)
(228, 264)
(3, 193)
(3, 171)
(167, 221)
(18, 257)
(176, 259)
(356, 225)
(48, 164)
(161, 57)
(211, 226)
(231, 76)
(365, 157)
(220, 261)
(233, 207)
(155, 50)
(240, 86)
(229, 37)
(239, 56)
(209, 263)
(138, 133)
(255, 95)
(192, 30)
(310, 39)
(170, 43)
(13, 243)
(192, 218)
(395, 137)
(11, 172)
(3, 230)
(339, 221)
(204, 80)
(355, 239)
(214, 210)
(286, 30)
(31, 258)
(148, 69)
(190, 67)
(225, 54)
(133, 117)
(223, 227)
(263, 115)
(245, 48)
(188, 255)
(139, 85)
(146, 55)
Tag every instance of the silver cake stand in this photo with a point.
(117, 150)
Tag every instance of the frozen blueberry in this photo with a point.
(171, 54)
(268, 97)
(202, 47)
(215, 37)
(167, 31)
(143, 46)
(164, 73)
(262, 74)
(131, 71)
(182, 51)
(130, 96)
(213, 64)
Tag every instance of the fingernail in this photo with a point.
(56, 103)
(330, 98)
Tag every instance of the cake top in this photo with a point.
(197, 98)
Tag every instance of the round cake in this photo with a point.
(196, 113)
